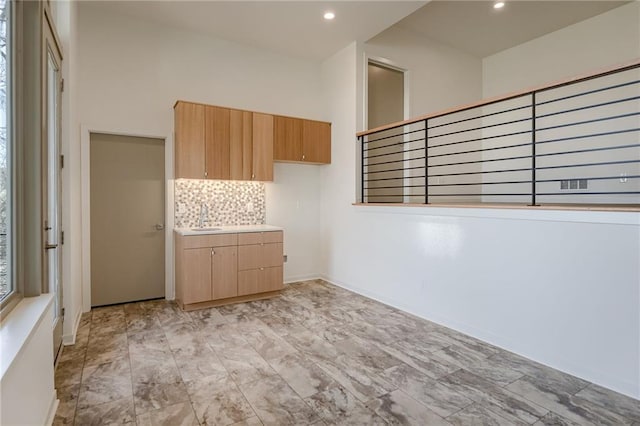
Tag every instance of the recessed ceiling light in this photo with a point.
(498, 5)
(329, 16)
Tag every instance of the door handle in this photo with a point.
(50, 246)
(159, 227)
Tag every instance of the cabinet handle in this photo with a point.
(253, 176)
(262, 269)
(205, 174)
(213, 252)
(303, 156)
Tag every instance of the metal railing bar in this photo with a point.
(589, 178)
(394, 153)
(589, 92)
(603, 163)
(481, 150)
(551, 114)
(482, 195)
(390, 187)
(589, 77)
(395, 178)
(591, 193)
(581, 151)
(396, 161)
(394, 144)
(482, 161)
(592, 135)
(482, 127)
(526, 169)
(394, 170)
(393, 136)
(480, 116)
(595, 120)
(481, 183)
(482, 139)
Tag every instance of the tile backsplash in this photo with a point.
(227, 202)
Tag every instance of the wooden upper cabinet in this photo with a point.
(287, 136)
(241, 144)
(262, 147)
(316, 142)
(189, 140)
(217, 142)
(301, 141)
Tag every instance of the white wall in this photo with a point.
(600, 42)
(561, 288)
(27, 396)
(131, 72)
(440, 77)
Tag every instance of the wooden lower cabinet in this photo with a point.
(260, 280)
(224, 272)
(214, 270)
(196, 269)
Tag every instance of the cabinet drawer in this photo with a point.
(260, 280)
(247, 238)
(217, 240)
(259, 256)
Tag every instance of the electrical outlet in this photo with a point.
(623, 177)
(250, 206)
(182, 208)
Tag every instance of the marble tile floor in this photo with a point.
(317, 355)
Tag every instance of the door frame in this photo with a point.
(85, 176)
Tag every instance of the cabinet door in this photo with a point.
(224, 272)
(271, 279)
(217, 155)
(316, 142)
(271, 255)
(249, 257)
(196, 275)
(241, 144)
(287, 139)
(262, 147)
(189, 140)
(260, 280)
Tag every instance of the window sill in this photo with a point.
(18, 327)
(550, 213)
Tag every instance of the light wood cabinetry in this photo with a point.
(196, 270)
(316, 142)
(218, 269)
(262, 147)
(301, 141)
(221, 143)
(216, 136)
(189, 140)
(287, 136)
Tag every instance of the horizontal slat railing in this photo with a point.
(571, 143)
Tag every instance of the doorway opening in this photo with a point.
(127, 218)
(385, 104)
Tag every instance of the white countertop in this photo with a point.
(232, 229)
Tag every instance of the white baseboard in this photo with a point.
(53, 407)
(70, 339)
(297, 278)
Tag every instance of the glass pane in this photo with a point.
(5, 154)
(52, 176)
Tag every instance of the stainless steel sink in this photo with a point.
(205, 229)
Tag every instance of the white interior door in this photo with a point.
(127, 193)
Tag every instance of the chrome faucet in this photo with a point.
(204, 215)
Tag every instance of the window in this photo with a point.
(6, 281)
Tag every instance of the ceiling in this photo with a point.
(294, 28)
(477, 28)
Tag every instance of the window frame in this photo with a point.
(13, 47)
